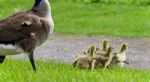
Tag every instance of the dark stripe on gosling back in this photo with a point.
(37, 2)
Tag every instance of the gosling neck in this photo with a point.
(105, 47)
(123, 49)
(109, 52)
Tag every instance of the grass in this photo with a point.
(81, 19)
(13, 70)
(117, 20)
(101, 19)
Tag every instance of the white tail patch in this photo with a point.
(9, 49)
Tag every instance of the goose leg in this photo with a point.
(2, 58)
(32, 61)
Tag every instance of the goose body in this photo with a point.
(26, 30)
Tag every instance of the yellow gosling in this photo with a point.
(103, 60)
(83, 62)
(120, 58)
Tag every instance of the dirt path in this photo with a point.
(64, 48)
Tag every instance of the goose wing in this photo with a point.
(18, 26)
(12, 16)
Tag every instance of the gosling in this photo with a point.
(104, 50)
(83, 62)
(103, 60)
(120, 58)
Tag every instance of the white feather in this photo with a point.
(9, 49)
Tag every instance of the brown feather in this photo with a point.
(14, 28)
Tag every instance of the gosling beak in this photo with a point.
(126, 62)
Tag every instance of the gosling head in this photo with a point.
(92, 51)
(124, 47)
(109, 52)
(106, 45)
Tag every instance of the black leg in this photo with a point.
(32, 61)
(2, 58)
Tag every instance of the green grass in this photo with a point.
(115, 20)
(81, 19)
(13, 70)
(101, 19)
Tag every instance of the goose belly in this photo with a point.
(121, 64)
(121, 57)
(9, 49)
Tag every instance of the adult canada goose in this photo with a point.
(119, 59)
(25, 30)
